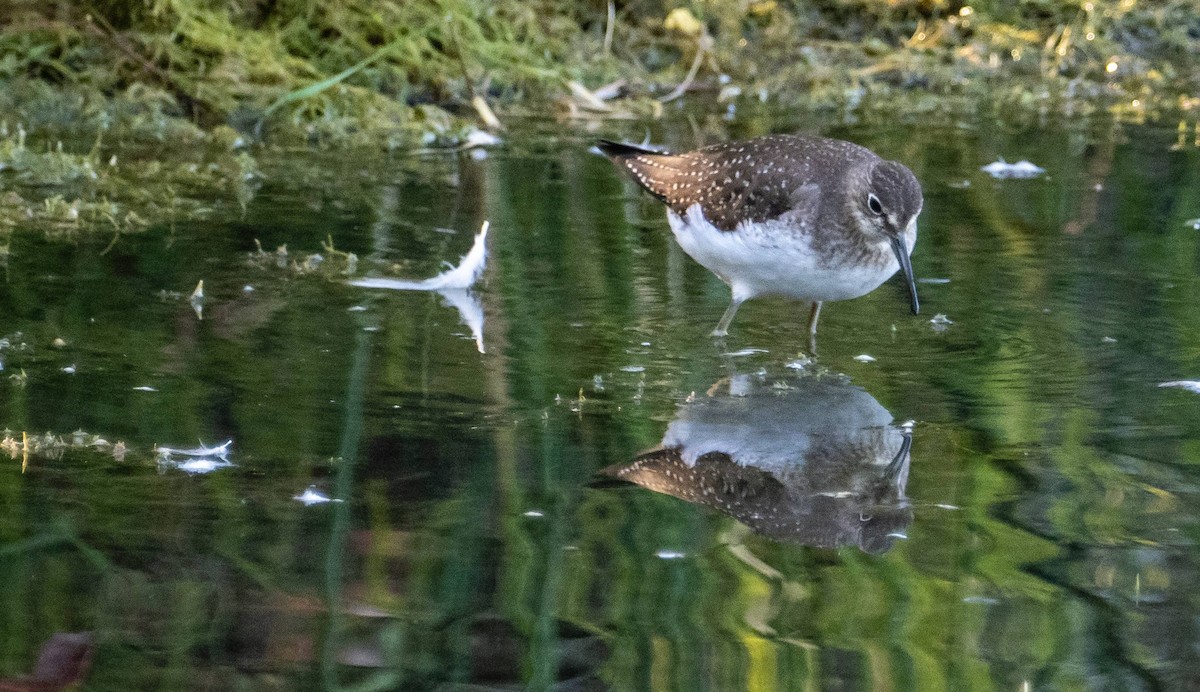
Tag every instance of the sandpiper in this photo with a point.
(818, 462)
(802, 217)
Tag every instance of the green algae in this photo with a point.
(140, 113)
(355, 72)
(45, 185)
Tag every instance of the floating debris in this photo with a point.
(864, 358)
(670, 555)
(744, 352)
(59, 343)
(587, 99)
(311, 496)
(70, 369)
(1194, 223)
(1108, 340)
(145, 388)
(1001, 169)
(940, 322)
(333, 263)
(534, 514)
(932, 280)
(633, 368)
(51, 446)
(799, 364)
(480, 138)
(1190, 385)
(197, 300)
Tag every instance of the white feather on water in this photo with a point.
(219, 451)
(195, 460)
(745, 352)
(311, 496)
(453, 285)
(470, 311)
(1189, 385)
(198, 466)
(1022, 169)
(461, 277)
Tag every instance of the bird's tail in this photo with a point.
(654, 170)
(620, 150)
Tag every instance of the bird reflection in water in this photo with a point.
(815, 461)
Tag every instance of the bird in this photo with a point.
(803, 217)
(818, 462)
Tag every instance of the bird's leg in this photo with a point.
(812, 326)
(723, 326)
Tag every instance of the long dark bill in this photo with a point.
(901, 249)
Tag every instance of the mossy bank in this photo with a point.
(193, 85)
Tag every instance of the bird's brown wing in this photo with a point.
(755, 180)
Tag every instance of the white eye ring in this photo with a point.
(873, 204)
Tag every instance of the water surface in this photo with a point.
(1004, 498)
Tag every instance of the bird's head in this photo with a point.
(886, 204)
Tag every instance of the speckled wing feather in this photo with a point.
(755, 180)
(716, 480)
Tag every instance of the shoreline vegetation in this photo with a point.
(208, 79)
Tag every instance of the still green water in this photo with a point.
(1034, 528)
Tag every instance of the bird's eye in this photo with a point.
(874, 205)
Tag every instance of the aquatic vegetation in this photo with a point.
(132, 113)
(25, 446)
(332, 263)
(393, 72)
(62, 187)
(48, 445)
(1049, 474)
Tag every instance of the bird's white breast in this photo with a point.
(776, 258)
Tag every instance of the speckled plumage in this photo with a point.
(755, 180)
(820, 462)
(809, 218)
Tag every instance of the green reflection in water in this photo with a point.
(1051, 482)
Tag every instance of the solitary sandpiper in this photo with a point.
(802, 217)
